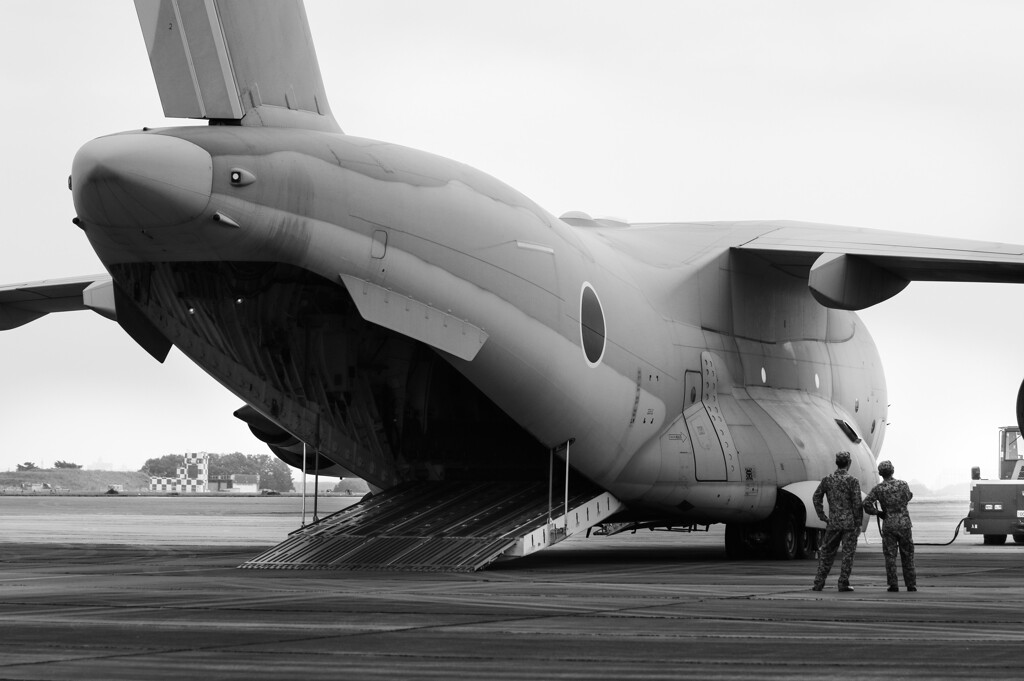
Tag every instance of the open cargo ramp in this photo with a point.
(439, 526)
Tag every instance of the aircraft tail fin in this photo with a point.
(250, 61)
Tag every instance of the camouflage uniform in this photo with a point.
(896, 533)
(843, 524)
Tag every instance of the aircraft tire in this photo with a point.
(994, 539)
(808, 545)
(1018, 539)
(737, 544)
(784, 542)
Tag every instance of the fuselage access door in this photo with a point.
(714, 453)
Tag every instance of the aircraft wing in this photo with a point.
(222, 60)
(852, 268)
(23, 303)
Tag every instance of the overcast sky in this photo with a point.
(890, 115)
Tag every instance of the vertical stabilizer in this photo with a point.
(250, 61)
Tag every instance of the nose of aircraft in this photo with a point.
(141, 180)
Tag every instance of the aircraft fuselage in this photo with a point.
(690, 378)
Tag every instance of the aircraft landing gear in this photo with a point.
(738, 544)
(810, 539)
(783, 542)
(781, 536)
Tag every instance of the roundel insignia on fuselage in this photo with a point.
(592, 328)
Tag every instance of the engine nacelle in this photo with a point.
(286, 446)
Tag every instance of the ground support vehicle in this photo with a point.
(997, 506)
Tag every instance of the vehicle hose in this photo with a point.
(955, 533)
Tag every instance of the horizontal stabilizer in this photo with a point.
(251, 61)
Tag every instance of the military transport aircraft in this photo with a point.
(417, 323)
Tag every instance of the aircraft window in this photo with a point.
(591, 325)
(241, 177)
(379, 245)
(1011, 451)
(848, 431)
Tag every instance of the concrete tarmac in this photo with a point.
(644, 606)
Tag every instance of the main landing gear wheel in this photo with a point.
(809, 541)
(1018, 539)
(737, 542)
(995, 539)
(780, 536)
(784, 542)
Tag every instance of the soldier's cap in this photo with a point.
(885, 468)
(842, 459)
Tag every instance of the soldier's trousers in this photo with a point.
(827, 553)
(902, 542)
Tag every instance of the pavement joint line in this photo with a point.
(194, 649)
(620, 611)
(375, 656)
(697, 661)
(396, 630)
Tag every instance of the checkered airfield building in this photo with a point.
(193, 477)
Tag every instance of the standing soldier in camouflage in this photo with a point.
(843, 524)
(894, 495)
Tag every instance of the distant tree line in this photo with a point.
(274, 473)
(29, 466)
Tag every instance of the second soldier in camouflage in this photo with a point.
(897, 537)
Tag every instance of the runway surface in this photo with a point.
(160, 597)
